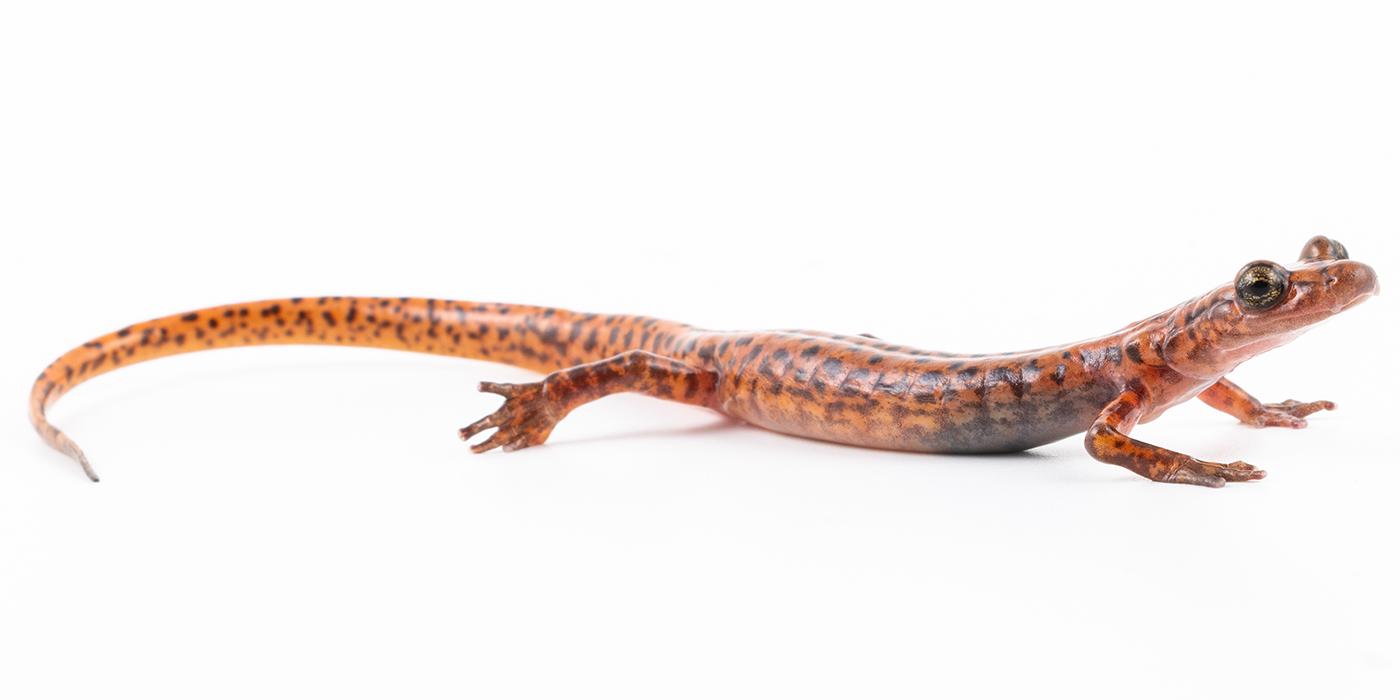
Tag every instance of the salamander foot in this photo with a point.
(1213, 474)
(524, 420)
(1289, 414)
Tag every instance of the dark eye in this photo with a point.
(1338, 250)
(1260, 285)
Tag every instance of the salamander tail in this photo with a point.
(38, 402)
(537, 338)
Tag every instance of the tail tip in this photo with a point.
(87, 468)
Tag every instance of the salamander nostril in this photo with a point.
(1329, 280)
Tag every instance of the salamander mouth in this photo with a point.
(1354, 302)
(1375, 290)
(1321, 313)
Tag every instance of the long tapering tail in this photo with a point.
(538, 338)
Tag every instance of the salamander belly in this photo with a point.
(853, 392)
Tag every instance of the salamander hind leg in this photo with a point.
(1108, 441)
(533, 409)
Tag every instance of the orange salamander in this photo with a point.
(857, 390)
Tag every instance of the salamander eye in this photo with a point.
(1323, 248)
(1261, 285)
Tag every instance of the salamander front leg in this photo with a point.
(531, 410)
(1108, 441)
(1228, 397)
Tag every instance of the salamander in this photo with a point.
(853, 389)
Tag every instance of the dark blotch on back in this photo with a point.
(1134, 352)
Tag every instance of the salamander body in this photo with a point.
(857, 390)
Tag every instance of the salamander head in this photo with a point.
(1266, 306)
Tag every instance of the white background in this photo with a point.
(296, 522)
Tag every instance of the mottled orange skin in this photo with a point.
(851, 389)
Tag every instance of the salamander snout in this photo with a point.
(1350, 283)
(1332, 286)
